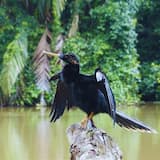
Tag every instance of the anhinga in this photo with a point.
(91, 93)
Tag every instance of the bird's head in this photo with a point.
(66, 58)
(69, 58)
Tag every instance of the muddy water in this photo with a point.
(27, 134)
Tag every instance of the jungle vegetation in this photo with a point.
(121, 37)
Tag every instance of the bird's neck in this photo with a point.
(70, 72)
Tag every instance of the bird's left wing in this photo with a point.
(104, 87)
(60, 101)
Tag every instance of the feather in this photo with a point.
(61, 100)
(130, 123)
(107, 92)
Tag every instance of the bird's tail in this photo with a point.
(124, 121)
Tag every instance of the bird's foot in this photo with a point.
(90, 124)
(87, 124)
(84, 123)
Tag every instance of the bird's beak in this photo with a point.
(51, 54)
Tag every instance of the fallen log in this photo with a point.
(91, 143)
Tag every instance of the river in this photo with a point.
(27, 134)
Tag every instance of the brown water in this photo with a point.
(27, 134)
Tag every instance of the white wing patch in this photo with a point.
(99, 76)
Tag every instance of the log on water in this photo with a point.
(91, 144)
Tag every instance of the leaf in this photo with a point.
(59, 43)
(74, 26)
(41, 62)
(59, 6)
(13, 62)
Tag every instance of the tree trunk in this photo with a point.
(91, 144)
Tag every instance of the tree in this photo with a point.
(102, 33)
(148, 47)
(15, 57)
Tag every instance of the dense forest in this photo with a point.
(121, 37)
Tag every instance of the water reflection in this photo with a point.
(27, 134)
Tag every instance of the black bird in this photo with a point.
(91, 93)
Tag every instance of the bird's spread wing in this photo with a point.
(60, 101)
(104, 87)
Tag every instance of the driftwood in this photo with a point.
(91, 144)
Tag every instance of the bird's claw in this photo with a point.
(84, 123)
(87, 123)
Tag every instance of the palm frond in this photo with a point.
(44, 7)
(41, 62)
(59, 5)
(59, 43)
(13, 62)
(74, 26)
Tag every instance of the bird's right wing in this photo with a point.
(104, 87)
(59, 102)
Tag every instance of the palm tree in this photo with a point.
(16, 54)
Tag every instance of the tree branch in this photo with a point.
(91, 144)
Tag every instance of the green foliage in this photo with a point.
(107, 38)
(57, 8)
(6, 32)
(150, 84)
(13, 62)
(148, 30)
(117, 22)
(17, 28)
(110, 44)
(122, 75)
(25, 91)
(31, 17)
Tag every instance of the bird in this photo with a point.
(91, 93)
